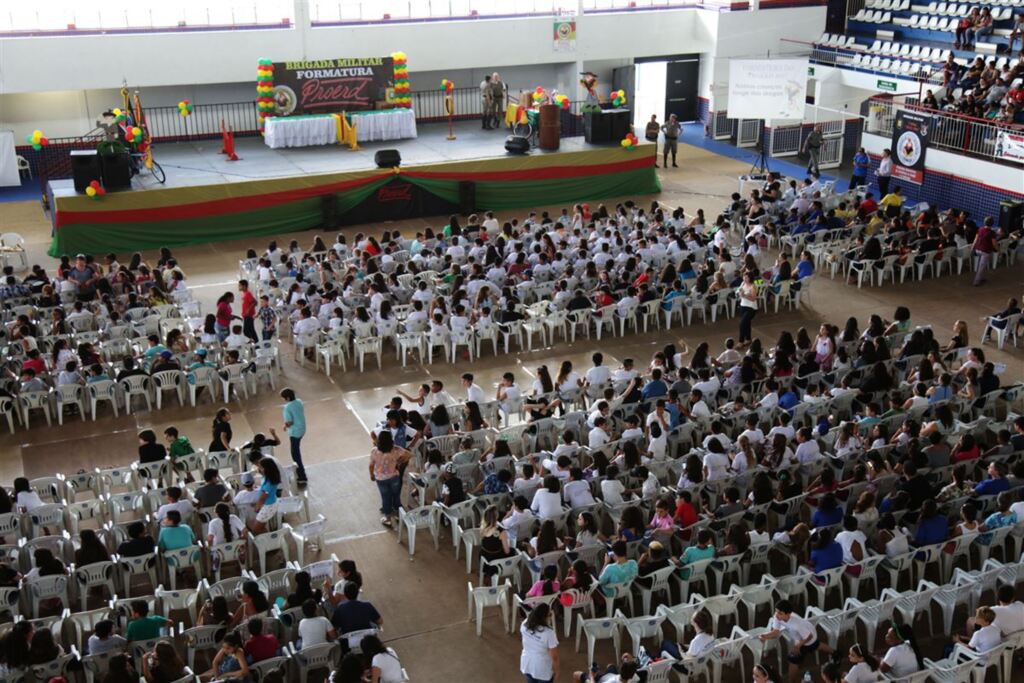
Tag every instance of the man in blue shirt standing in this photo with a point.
(295, 424)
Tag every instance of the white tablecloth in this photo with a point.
(305, 131)
(397, 124)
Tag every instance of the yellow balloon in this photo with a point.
(91, 191)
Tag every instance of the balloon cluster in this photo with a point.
(630, 141)
(118, 115)
(185, 107)
(95, 190)
(402, 98)
(539, 95)
(447, 86)
(618, 97)
(264, 90)
(134, 134)
(37, 140)
(562, 101)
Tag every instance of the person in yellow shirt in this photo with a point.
(845, 212)
(875, 224)
(893, 202)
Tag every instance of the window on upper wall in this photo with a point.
(332, 11)
(121, 15)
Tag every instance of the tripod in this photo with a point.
(761, 163)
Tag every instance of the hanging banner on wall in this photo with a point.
(331, 85)
(565, 34)
(767, 88)
(910, 133)
(1010, 146)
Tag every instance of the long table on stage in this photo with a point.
(322, 129)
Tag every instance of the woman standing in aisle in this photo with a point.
(748, 308)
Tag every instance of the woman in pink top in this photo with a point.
(386, 464)
(548, 583)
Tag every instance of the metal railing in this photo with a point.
(166, 124)
(949, 132)
(925, 72)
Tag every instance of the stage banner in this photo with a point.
(565, 34)
(767, 88)
(331, 85)
(1010, 146)
(9, 174)
(909, 143)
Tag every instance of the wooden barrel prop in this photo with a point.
(550, 126)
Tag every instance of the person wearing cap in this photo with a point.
(248, 495)
(294, 414)
(165, 361)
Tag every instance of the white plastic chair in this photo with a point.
(135, 385)
(97, 574)
(183, 600)
(104, 390)
(315, 657)
(181, 559)
(482, 597)
(169, 380)
(269, 541)
(69, 395)
(35, 400)
(202, 639)
(308, 535)
(598, 629)
(640, 628)
(44, 588)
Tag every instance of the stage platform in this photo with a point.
(207, 198)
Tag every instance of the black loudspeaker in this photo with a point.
(329, 211)
(1010, 214)
(517, 144)
(467, 197)
(117, 173)
(85, 168)
(619, 124)
(387, 158)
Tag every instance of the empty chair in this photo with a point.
(481, 597)
(314, 658)
(132, 386)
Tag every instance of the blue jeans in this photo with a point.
(390, 492)
(531, 679)
(222, 331)
(297, 456)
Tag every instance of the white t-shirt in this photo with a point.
(597, 438)
(29, 500)
(808, 451)
(717, 465)
(536, 658)
(986, 638)
(754, 436)
(390, 667)
(861, 673)
(847, 540)
(796, 629)
(700, 644)
(313, 631)
(547, 505)
(611, 491)
(599, 374)
(475, 393)
(901, 660)
(577, 494)
(217, 529)
(1009, 618)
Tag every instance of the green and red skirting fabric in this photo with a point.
(180, 216)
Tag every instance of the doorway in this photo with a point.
(664, 86)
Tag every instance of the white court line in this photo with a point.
(355, 412)
(354, 537)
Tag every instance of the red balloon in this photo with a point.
(101, 191)
(44, 142)
(94, 184)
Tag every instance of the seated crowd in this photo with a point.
(845, 451)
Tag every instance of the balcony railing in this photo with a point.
(949, 132)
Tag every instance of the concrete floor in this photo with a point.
(423, 600)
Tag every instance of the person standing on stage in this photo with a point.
(671, 129)
(650, 133)
(497, 99)
(248, 311)
(295, 424)
(486, 96)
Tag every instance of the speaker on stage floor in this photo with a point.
(387, 158)
(85, 168)
(117, 173)
(467, 197)
(517, 144)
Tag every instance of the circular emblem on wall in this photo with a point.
(908, 149)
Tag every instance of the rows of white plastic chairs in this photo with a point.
(109, 501)
(954, 585)
(258, 364)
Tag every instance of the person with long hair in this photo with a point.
(865, 666)
(162, 665)
(539, 659)
(266, 504)
(386, 464)
(903, 656)
(494, 540)
(121, 670)
(385, 666)
(229, 662)
(221, 428)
